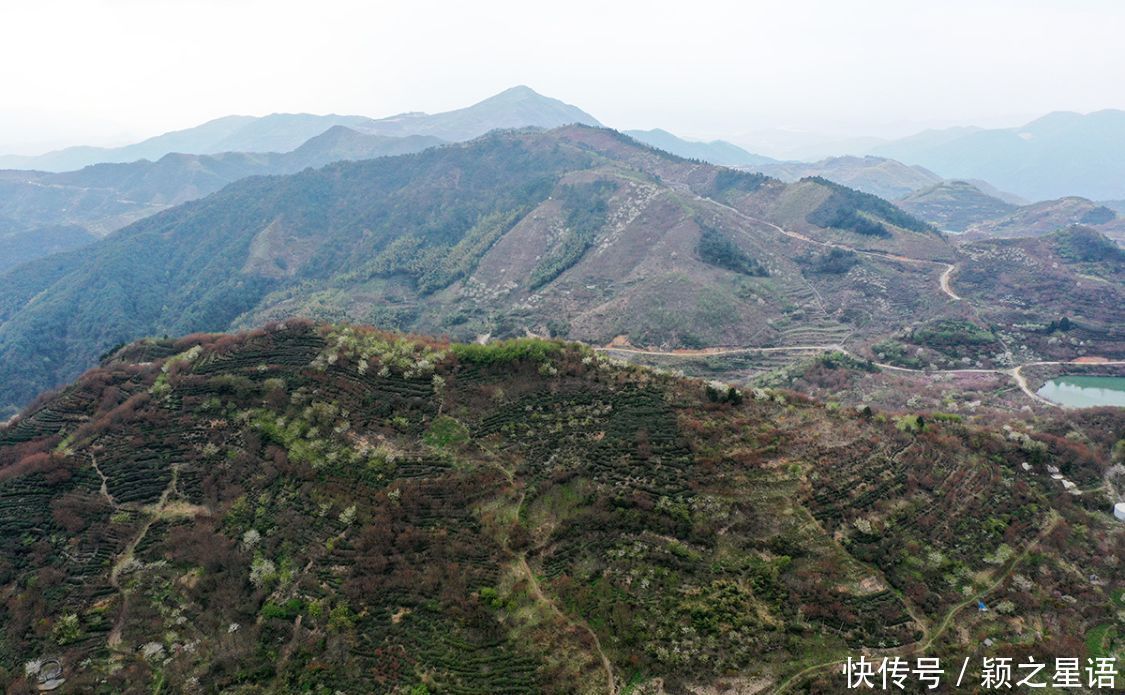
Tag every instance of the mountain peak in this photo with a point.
(520, 90)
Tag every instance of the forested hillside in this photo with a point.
(20, 243)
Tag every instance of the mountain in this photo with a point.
(577, 232)
(278, 132)
(949, 204)
(803, 145)
(1075, 273)
(323, 508)
(879, 176)
(1048, 216)
(102, 198)
(344, 144)
(1006, 196)
(954, 205)
(517, 107)
(715, 152)
(1117, 206)
(19, 244)
(1061, 154)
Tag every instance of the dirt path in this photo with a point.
(717, 351)
(943, 281)
(941, 627)
(538, 595)
(104, 489)
(537, 592)
(161, 509)
(1021, 381)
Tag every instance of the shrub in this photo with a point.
(716, 249)
(288, 610)
(445, 432)
(507, 351)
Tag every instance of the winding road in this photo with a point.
(1016, 373)
(943, 281)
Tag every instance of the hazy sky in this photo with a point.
(103, 70)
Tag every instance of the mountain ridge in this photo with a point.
(279, 132)
(105, 197)
(573, 231)
(1057, 155)
(954, 205)
(718, 152)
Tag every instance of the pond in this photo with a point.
(1085, 391)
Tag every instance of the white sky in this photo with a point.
(93, 71)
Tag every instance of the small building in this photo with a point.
(1119, 510)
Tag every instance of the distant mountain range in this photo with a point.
(952, 204)
(714, 152)
(964, 206)
(101, 198)
(518, 107)
(281, 132)
(178, 167)
(1062, 154)
(879, 176)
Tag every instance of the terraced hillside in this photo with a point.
(578, 232)
(316, 508)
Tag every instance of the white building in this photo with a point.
(1119, 510)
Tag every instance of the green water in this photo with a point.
(1085, 391)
